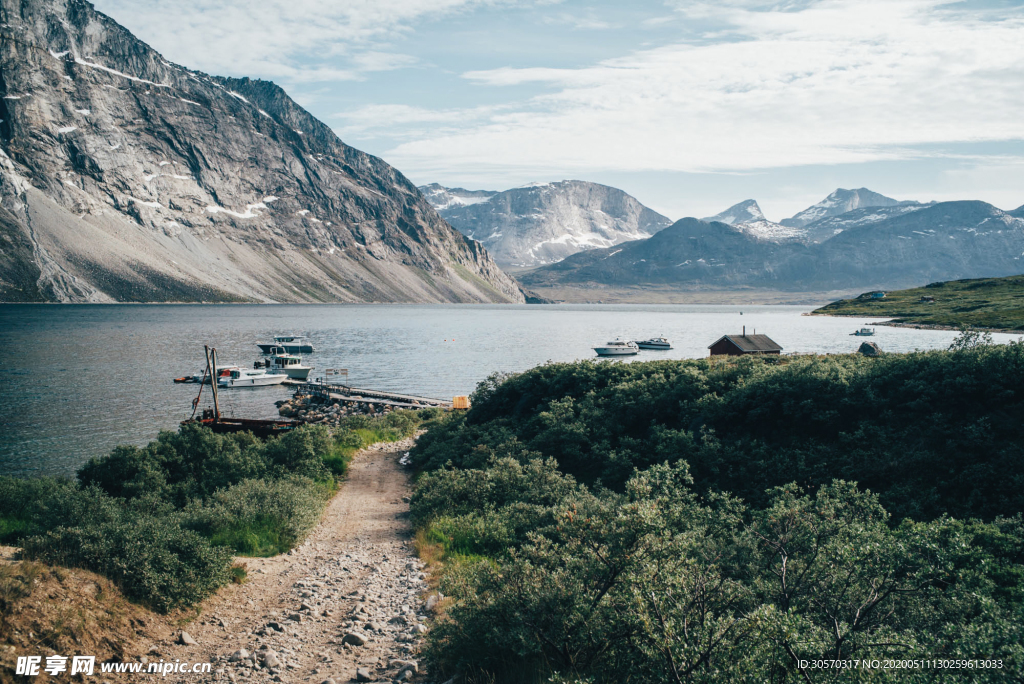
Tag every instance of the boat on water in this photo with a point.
(864, 332)
(212, 419)
(654, 343)
(618, 348)
(260, 428)
(291, 344)
(205, 377)
(257, 377)
(289, 364)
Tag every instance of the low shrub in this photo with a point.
(153, 561)
(260, 517)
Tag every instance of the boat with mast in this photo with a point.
(212, 418)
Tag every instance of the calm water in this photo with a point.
(81, 379)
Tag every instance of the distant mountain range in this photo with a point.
(841, 210)
(891, 246)
(124, 177)
(543, 223)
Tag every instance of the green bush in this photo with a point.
(731, 542)
(162, 521)
(152, 560)
(930, 432)
(260, 517)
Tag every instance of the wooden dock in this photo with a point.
(368, 396)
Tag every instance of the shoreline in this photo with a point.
(920, 326)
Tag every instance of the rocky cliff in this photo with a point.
(543, 223)
(124, 177)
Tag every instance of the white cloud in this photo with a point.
(808, 83)
(299, 40)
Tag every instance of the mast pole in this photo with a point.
(213, 383)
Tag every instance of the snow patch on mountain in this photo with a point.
(542, 223)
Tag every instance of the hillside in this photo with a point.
(124, 177)
(543, 223)
(995, 303)
(727, 521)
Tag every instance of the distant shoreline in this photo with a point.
(919, 326)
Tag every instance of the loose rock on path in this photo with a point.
(347, 605)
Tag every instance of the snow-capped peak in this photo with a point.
(744, 212)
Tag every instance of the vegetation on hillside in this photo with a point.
(164, 521)
(699, 521)
(995, 303)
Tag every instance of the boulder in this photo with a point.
(186, 639)
(363, 675)
(354, 638)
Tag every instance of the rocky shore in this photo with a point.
(313, 409)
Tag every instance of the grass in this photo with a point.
(991, 303)
(259, 539)
(11, 529)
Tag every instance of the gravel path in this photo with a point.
(347, 605)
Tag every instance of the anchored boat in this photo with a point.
(291, 344)
(618, 348)
(212, 419)
(864, 332)
(654, 343)
(289, 364)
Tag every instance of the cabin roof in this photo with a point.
(750, 343)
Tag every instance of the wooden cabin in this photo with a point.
(740, 345)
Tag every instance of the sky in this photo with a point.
(690, 106)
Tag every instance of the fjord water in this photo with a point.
(80, 379)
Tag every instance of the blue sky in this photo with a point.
(690, 106)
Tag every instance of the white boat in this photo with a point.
(288, 364)
(291, 344)
(654, 343)
(257, 377)
(618, 348)
(221, 372)
(864, 332)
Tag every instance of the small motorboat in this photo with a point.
(289, 364)
(864, 332)
(257, 377)
(205, 378)
(654, 343)
(618, 348)
(291, 344)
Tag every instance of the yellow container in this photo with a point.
(460, 403)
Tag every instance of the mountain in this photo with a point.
(950, 240)
(839, 202)
(747, 216)
(124, 177)
(745, 211)
(830, 226)
(542, 223)
(442, 198)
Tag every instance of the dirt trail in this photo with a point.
(302, 615)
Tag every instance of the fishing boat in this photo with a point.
(654, 343)
(291, 344)
(205, 377)
(289, 364)
(618, 348)
(212, 419)
(864, 332)
(256, 377)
